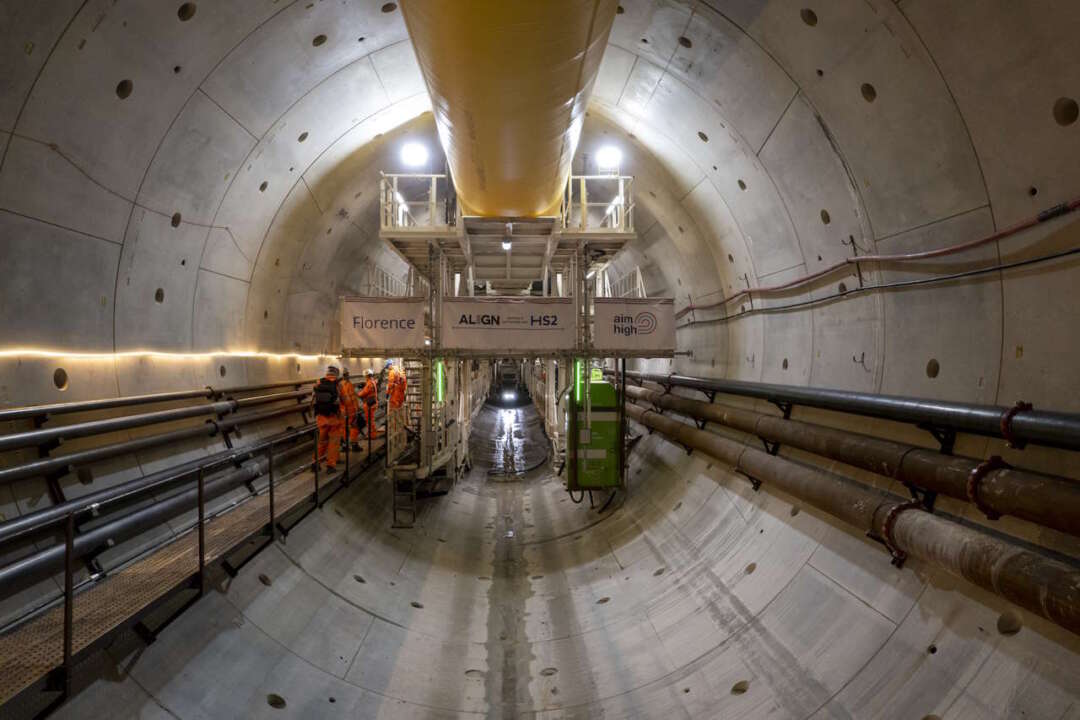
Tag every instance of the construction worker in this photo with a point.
(329, 406)
(351, 410)
(369, 396)
(396, 421)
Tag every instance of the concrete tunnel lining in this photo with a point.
(742, 144)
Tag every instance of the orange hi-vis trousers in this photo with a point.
(330, 429)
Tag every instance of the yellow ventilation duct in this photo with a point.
(509, 81)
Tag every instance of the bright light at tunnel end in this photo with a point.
(608, 157)
(509, 396)
(413, 154)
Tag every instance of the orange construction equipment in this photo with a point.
(328, 404)
(350, 405)
(369, 396)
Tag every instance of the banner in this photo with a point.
(643, 327)
(504, 325)
(379, 324)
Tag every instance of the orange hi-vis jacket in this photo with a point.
(395, 387)
(370, 394)
(349, 405)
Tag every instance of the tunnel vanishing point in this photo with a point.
(724, 354)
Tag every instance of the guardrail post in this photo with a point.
(69, 598)
(202, 533)
(317, 465)
(348, 446)
(270, 475)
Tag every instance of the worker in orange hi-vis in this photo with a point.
(396, 421)
(351, 408)
(327, 403)
(369, 397)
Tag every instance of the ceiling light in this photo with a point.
(505, 244)
(590, 275)
(413, 154)
(608, 157)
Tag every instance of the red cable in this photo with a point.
(1054, 212)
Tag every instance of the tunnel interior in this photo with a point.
(187, 189)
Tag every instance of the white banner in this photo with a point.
(508, 324)
(635, 326)
(383, 323)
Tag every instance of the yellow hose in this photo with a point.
(509, 82)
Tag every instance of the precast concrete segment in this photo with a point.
(509, 83)
(1044, 499)
(1038, 583)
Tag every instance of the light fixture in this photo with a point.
(509, 395)
(590, 275)
(608, 157)
(413, 154)
(505, 244)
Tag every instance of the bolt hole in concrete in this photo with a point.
(658, 572)
(265, 579)
(175, 220)
(124, 88)
(603, 601)
(537, 577)
(932, 368)
(808, 16)
(263, 185)
(842, 287)
(1033, 191)
(869, 92)
(703, 136)
(620, 10)
(333, 700)
(820, 72)
(474, 673)
(742, 185)
(221, 371)
(275, 701)
(784, 364)
(186, 12)
(825, 217)
(731, 258)
(1066, 111)
(60, 378)
(266, 314)
(1009, 623)
(751, 568)
(303, 137)
(794, 511)
(318, 40)
(176, 69)
(159, 295)
(685, 41)
(740, 687)
(389, 7)
(418, 606)
(932, 649)
(549, 671)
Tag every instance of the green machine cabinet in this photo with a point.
(598, 462)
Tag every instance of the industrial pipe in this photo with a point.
(33, 411)
(509, 83)
(1048, 500)
(1032, 581)
(45, 466)
(1042, 427)
(36, 567)
(32, 438)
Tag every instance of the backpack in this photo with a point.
(327, 402)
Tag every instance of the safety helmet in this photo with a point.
(389, 363)
(345, 373)
(332, 370)
(369, 372)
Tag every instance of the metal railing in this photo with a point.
(630, 285)
(598, 203)
(416, 201)
(382, 283)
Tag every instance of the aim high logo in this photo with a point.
(644, 323)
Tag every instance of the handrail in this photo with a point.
(208, 392)
(41, 436)
(1019, 424)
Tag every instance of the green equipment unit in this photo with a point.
(598, 422)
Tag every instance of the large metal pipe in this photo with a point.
(62, 463)
(208, 392)
(32, 438)
(109, 499)
(1044, 499)
(36, 567)
(1031, 580)
(509, 83)
(1053, 429)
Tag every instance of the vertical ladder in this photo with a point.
(414, 406)
(404, 500)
